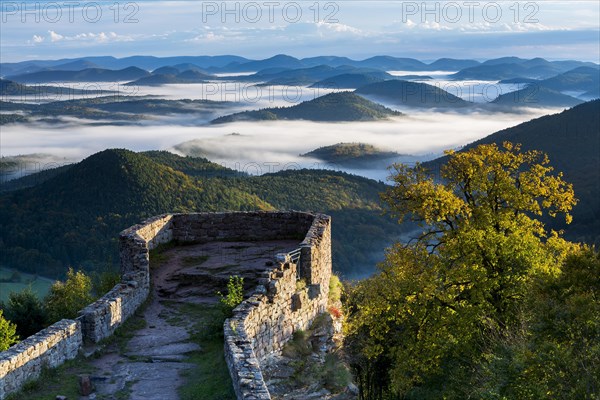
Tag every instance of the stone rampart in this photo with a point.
(260, 326)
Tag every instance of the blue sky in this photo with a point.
(259, 29)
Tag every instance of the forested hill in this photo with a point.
(412, 94)
(572, 141)
(333, 107)
(73, 217)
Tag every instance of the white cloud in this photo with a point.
(337, 27)
(102, 37)
(55, 37)
(206, 37)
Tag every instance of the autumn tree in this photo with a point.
(430, 313)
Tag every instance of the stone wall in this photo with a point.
(100, 319)
(263, 323)
(48, 348)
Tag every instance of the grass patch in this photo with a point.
(298, 347)
(192, 261)
(16, 281)
(52, 382)
(333, 374)
(335, 290)
(210, 379)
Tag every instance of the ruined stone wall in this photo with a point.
(62, 341)
(48, 348)
(100, 319)
(262, 324)
(240, 226)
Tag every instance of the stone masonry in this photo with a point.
(261, 325)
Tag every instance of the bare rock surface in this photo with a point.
(150, 365)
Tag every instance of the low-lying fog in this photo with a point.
(261, 147)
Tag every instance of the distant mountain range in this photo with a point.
(412, 94)
(513, 67)
(85, 75)
(112, 109)
(352, 80)
(168, 76)
(333, 107)
(10, 88)
(495, 69)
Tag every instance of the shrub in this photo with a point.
(67, 298)
(235, 295)
(27, 312)
(8, 333)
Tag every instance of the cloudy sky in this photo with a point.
(259, 29)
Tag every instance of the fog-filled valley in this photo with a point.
(273, 118)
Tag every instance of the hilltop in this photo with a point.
(352, 80)
(412, 94)
(536, 95)
(72, 217)
(571, 139)
(351, 154)
(333, 107)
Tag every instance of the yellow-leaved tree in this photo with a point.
(419, 328)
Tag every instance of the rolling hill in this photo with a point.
(86, 75)
(536, 95)
(163, 78)
(352, 80)
(10, 88)
(351, 154)
(582, 78)
(72, 217)
(514, 67)
(111, 109)
(333, 107)
(572, 141)
(412, 94)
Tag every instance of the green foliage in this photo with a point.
(565, 331)
(571, 140)
(235, 295)
(104, 281)
(26, 311)
(61, 380)
(67, 298)
(8, 333)
(335, 290)
(210, 380)
(298, 346)
(74, 215)
(350, 154)
(429, 317)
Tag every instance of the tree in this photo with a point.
(8, 333)
(431, 311)
(65, 299)
(26, 311)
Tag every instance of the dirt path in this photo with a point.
(152, 362)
